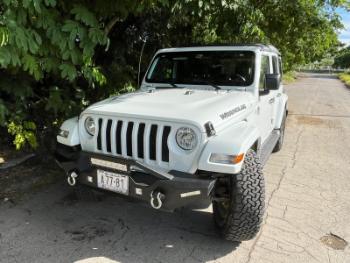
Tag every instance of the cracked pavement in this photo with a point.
(308, 197)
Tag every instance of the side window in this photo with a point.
(265, 69)
(280, 66)
(275, 65)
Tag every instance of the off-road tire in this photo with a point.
(244, 209)
(280, 141)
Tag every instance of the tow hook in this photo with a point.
(157, 199)
(71, 179)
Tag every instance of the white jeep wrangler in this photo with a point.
(198, 131)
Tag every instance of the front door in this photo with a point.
(265, 107)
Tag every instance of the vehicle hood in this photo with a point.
(195, 106)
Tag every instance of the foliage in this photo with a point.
(289, 77)
(57, 57)
(23, 133)
(345, 77)
(342, 60)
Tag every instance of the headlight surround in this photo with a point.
(90, 126)
(186, 138)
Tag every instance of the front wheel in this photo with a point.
(239, 201)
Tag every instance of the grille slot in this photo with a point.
(133, 139)
(165, 148)
(153, 142)
(129, 138)
(99, 140)
(119, 137)
(140, 140)
(108, 136)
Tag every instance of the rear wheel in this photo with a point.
(239, 201)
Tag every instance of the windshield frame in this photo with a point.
(204, 83)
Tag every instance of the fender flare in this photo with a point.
(232, 141)
(72, 126)
(282, 107)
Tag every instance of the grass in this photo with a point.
(289, 77)
(345, 77)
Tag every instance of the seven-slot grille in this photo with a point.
(139, 140)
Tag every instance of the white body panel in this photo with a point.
(249, 118)
(70, 125)
(173, 105)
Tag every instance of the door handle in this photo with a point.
(272, 100)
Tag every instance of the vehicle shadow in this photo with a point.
(118, 230)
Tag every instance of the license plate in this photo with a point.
(114, 182)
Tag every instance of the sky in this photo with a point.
(344, 35)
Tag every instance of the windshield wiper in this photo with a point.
(212, 84)
(173, 85)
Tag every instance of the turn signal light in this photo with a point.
(238, 158)
(226, 158)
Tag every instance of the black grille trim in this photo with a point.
(108, 136)
(133, 139)
(140, 140)
(129, 138)
(153, 142)
(165, 148)
(119, 137)
(99, 140)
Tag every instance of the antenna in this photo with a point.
(144, 39)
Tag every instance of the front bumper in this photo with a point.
(177, 189)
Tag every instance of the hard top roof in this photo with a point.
(253, 47)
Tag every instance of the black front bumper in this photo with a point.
(177, 189)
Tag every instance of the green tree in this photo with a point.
(342, 59)
(57, 57)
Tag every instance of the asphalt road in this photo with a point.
(308, 197)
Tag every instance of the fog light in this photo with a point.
(226, 158)
(63, 133)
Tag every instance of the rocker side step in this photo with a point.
(268, 146)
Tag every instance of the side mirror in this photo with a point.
(272, 81)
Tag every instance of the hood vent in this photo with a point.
(189, 92)
(209, 128)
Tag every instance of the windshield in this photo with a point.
(226, 68)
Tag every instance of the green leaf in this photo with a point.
(30, 64)
(98, 76)
(55, 101)
(21, 39)
(4, 36)
(98, 36)
(29, 125)
(84, 15)
(68, 71)
(49, 64)
(51, 3)
(37, 5)
(5, 57)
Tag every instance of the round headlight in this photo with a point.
(90, 126)
(186, 138)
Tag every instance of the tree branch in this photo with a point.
(110, 25)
